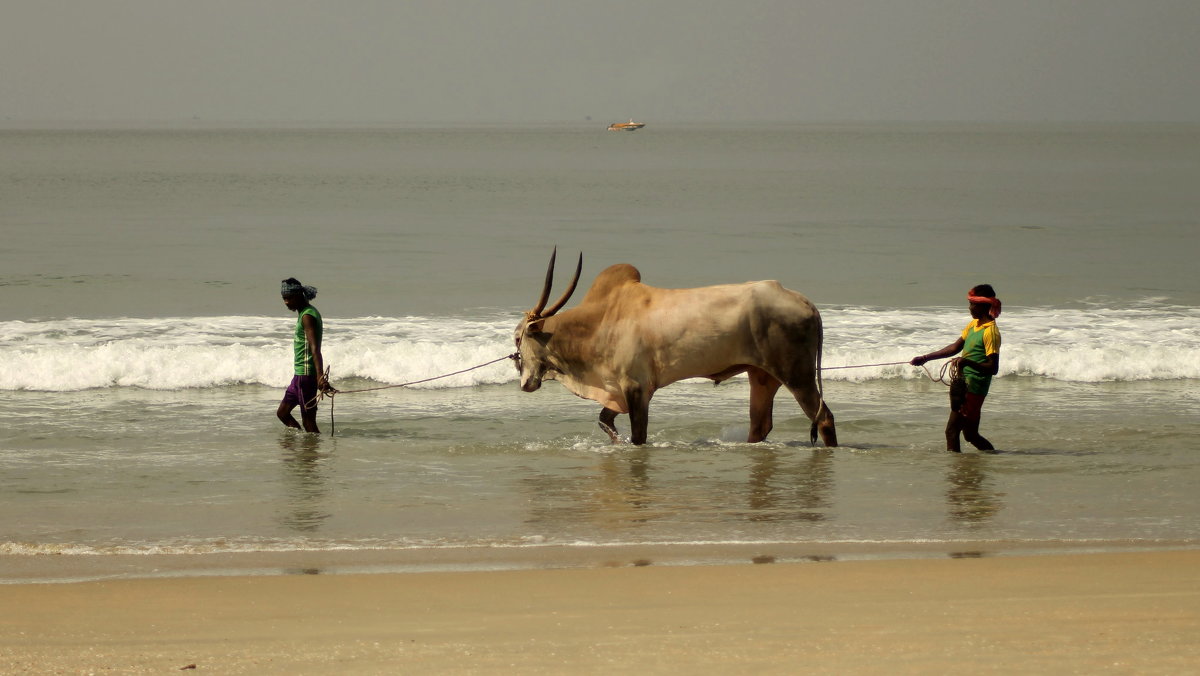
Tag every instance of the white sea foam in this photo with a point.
(1140, 342)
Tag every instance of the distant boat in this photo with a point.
(626, 126)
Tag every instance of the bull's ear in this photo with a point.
(535, 325)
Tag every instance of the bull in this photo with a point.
(626, 340)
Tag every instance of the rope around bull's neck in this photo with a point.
(945, 376)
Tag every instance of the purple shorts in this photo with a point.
(302, 392)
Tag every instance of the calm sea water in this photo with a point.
(143, 345)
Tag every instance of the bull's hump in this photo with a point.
(620, 273)
(610, 279)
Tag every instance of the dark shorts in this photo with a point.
(973, 407)
(302, 392)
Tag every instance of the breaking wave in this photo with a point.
(1147, 341)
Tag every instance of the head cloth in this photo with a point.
(292, 287)
(994, 302)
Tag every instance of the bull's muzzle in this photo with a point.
(530, 383)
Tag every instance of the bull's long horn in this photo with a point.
(537, 309)
(570, 290)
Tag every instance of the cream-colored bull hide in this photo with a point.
(626, 340)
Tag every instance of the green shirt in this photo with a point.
(979, 341)
(300, 346)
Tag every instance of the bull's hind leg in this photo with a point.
(826, 427)
(763, 387)
(818, 412)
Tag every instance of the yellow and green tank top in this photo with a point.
(304, 353)
(979, 341)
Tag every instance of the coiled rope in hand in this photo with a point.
(947, 375)
(951, 375)
(331, 391)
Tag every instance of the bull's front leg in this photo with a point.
(639, 414)
(608, 423)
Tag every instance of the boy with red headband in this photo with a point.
(980, 345)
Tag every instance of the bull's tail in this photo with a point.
(812, 433)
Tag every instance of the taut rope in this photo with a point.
(331, 391)
(861, 366)
(946, 376)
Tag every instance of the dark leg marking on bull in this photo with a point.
(825, 425)
(818, 412)
(639, 415)
(608, 423)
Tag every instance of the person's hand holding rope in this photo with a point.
(323, 383)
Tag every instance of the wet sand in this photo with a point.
(1129, 612)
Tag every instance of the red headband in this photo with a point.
(994, 302)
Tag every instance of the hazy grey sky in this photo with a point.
(552, 60)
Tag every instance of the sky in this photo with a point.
(462, 61)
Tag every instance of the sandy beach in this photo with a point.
(1127, 612)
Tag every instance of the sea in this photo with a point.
(144, 347)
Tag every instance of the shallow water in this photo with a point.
(144, 349)
(497, 468)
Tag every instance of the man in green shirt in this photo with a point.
(980, 346)
(309, 365)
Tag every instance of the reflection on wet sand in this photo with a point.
(305, 481)
(967, 555)
(623, 491)
(970, 500)
(615, 496)
(634, 494)
(791, 490)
